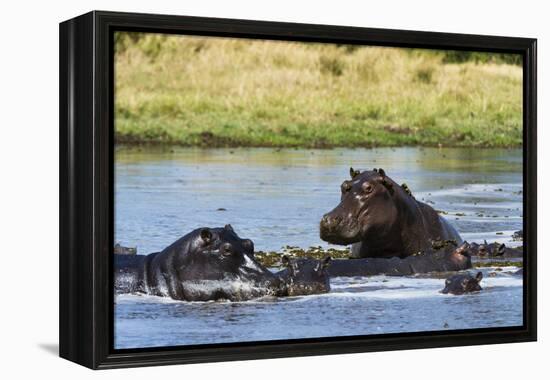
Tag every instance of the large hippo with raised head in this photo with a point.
(212, 264)
(380, 218)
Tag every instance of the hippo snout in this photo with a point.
(330, 223)
(336, 230)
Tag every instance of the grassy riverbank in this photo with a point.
(224, 92)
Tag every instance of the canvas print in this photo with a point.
(277, 190)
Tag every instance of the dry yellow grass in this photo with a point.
(214, 91)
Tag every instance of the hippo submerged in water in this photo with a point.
(440, 261)
(462, 283)
(305, 276)
(494, 250)
(209, 264)
(380, 218)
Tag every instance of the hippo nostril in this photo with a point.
(329, 223)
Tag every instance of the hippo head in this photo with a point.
(461, 257)
(215, 263)
(305, 276)
(367, 209)
(462, 283)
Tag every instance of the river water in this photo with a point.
(276, 198)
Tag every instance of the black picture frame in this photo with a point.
(86, 188)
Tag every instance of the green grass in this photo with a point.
(197, 91)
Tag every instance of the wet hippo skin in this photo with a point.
(305, 276)
(206, 264)
(441, 261)
(495, 250)
(215, 264)
(380, 218)
(462, 284)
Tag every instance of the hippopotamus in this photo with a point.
(211, 264)
(494, 250)
(462, 283)
(440, 261)
(305, 276)
(380, 218)
(206, 264)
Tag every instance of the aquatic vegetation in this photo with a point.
(273, 259)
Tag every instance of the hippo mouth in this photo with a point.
(461, 254)
(339, 232)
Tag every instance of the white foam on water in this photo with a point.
(504, 278)
(390, 287)
(232, 285)
(375, 287)
(389, 282)
(248, 263)
(389, 293)
(142, 298)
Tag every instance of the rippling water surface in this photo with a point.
(276, 198)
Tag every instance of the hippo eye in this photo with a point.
(226, 249)
(346, 186)
(367, 188)
(447, 281)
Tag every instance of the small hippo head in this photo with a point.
(462, 283)
(460, 256)
(305, 276)
(486, 249)
(482, 249)
(215, 263)
(367, 210)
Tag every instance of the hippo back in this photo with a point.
(129, 273)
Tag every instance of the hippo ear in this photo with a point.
(326, 261)
(388, 185)
(285, 261)
(479, 276)
(323, 263)
(353, 173)
(464, 249)
(206, 235)
(381, 172)
(228, 227)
